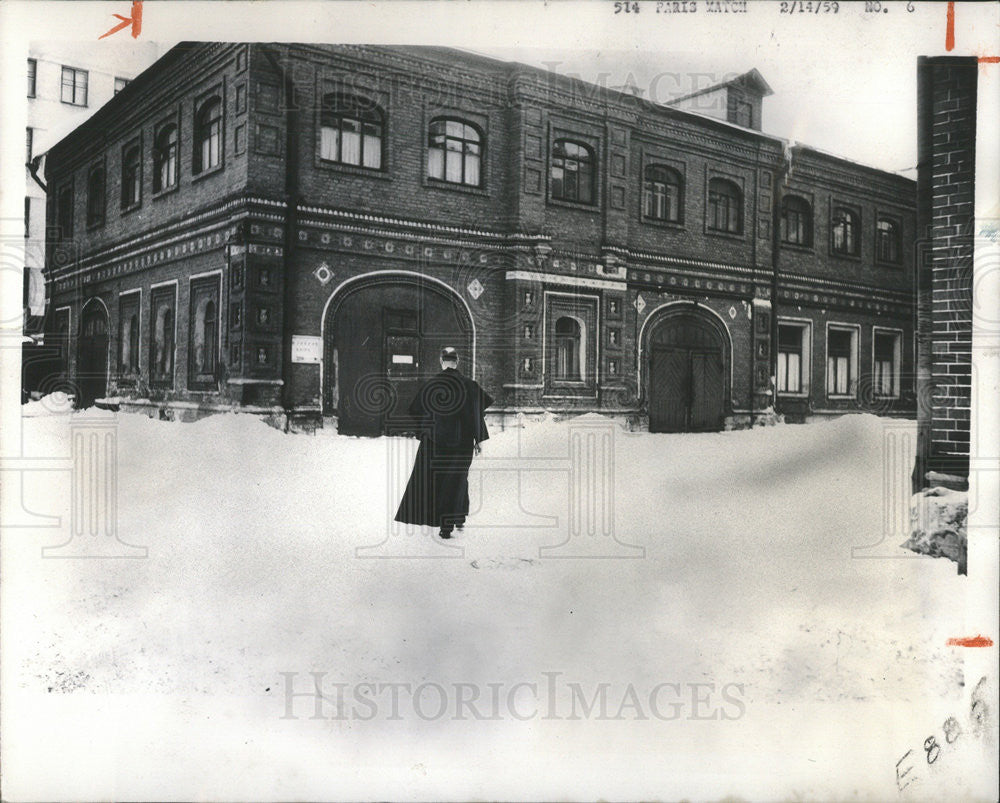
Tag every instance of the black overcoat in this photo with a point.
(450, 409)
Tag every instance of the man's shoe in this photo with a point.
(460, 527)
(445, 534)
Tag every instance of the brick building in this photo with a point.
(946, 118)
(295, 230)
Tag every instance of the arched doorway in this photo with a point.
(92, 353)
(383, 335)
(688, 372)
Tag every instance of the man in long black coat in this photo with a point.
(450, 408)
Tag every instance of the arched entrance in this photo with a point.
(688, 371)
(383, 335)
(92, 353)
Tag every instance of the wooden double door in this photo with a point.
(687, 375)
(382, 341)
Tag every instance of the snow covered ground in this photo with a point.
(746, 649)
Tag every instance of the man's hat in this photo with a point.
(449, 353)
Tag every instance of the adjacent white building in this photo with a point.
(66, 83)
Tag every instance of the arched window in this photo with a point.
(572, 172)
(351, 131)
(796, 221)
(887, 240)
(845, 231)
(205, 338)
(568, 349)
(207, 136)
(454, 152)
(662, 194)
(131, 177)
(95, 197)
(725, 206)
(165, 158)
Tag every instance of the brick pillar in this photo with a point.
(946, 192)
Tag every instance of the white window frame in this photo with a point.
(852, 388)
(805, 364)
(218, 325)
(585, 379)
(152, 337)
(897, 359)
(76, 72)
(134, 291)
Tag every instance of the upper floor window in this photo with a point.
(74, 86)
(572, 172)
(725, 206)
(131, 176)
(207, 136)
(352, 132)
(662, 194)
(796, 221)
(887, 240)
(95, 197)
(32, 77)
(165, 158)
(454, 152)
(64, 211)
(121, 83)
(845, 231)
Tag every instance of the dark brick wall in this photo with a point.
(826, 183)
(409, 101)
(691, 237)
(947, 121)
(158, 96)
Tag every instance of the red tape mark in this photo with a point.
(949, 35)
(971, 641)
(135, 20)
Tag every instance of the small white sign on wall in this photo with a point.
(307, 348)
